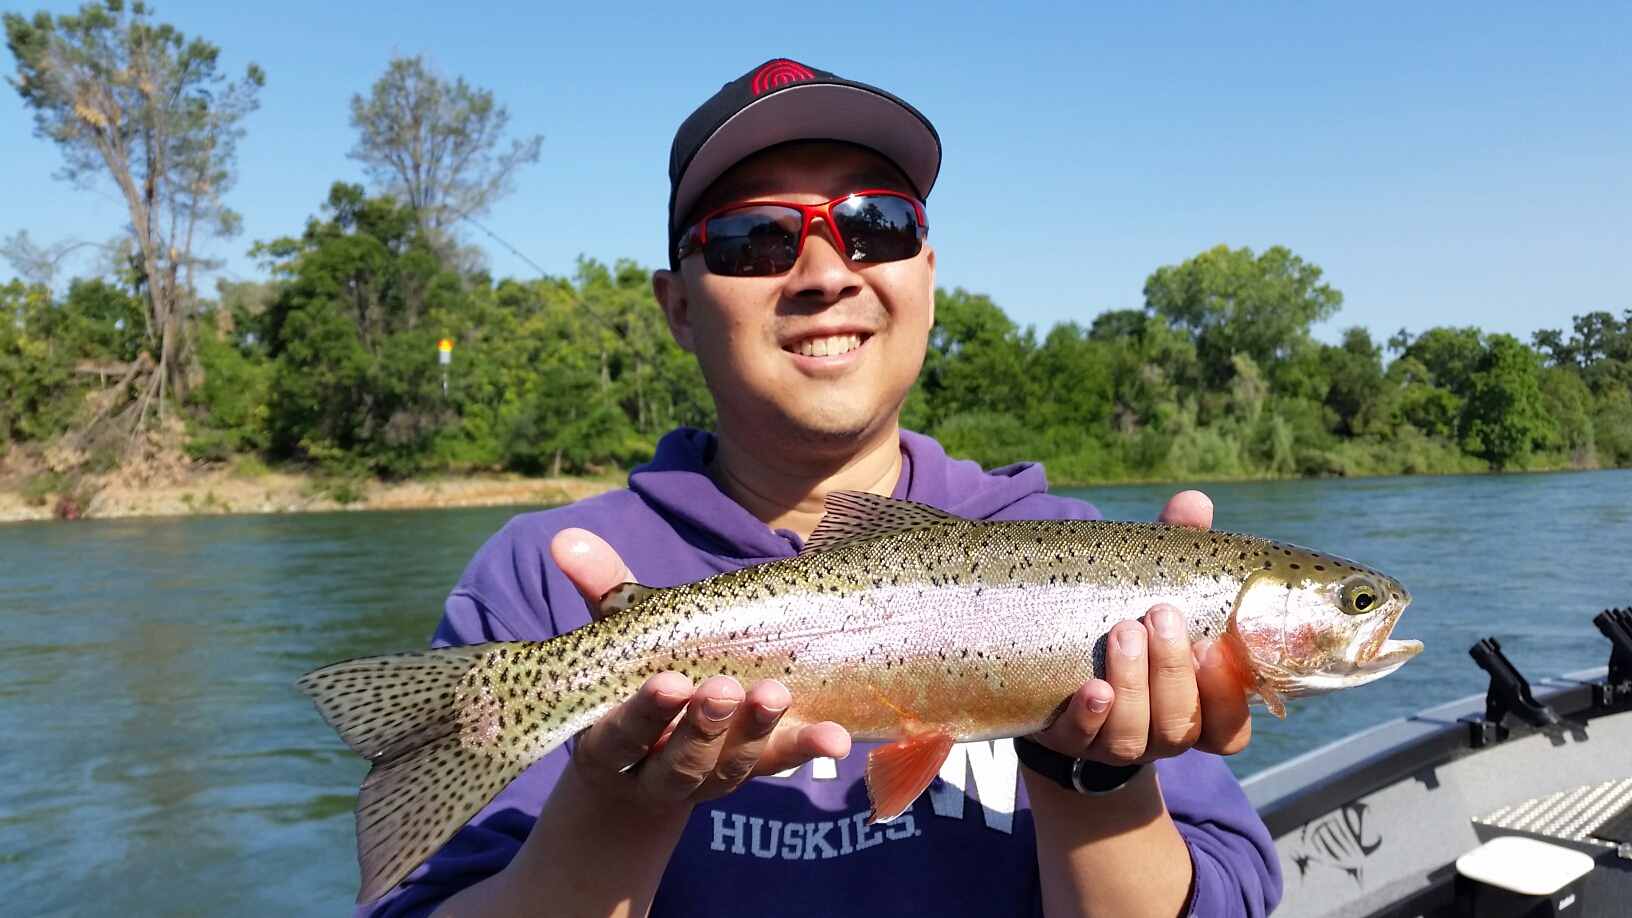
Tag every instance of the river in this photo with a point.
(157, 760)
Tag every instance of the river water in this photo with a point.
(155, 759)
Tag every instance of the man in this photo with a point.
(802, 279)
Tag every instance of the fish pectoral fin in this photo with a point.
(856, 516)
(1252, 682)
(620, 597)
(899, 772)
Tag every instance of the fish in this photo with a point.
(904, 624)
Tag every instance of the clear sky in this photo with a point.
(1446, 163)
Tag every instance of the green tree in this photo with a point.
(137, 102)
(51, 353)
(978, 359)
(433, 145)
(1505, 419)
(1450, 355)
(1358, 388)
(1568, 401)
(1235, 302)
(353, 334)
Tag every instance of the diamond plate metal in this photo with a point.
(1571, 815)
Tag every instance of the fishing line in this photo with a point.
(577, 300)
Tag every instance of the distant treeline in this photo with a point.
(333, 365)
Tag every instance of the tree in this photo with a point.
(1450, 355)
(137, 102)
(1234, 302)
(1505, 417)
(1357, 383)
(431, 144)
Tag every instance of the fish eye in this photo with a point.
(1358, 595)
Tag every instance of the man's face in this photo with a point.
(826, 353)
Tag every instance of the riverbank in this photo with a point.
(223, 491)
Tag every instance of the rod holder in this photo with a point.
(1509, 694)
(1616, 624)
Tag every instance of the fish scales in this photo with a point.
(900, 624)
(965, 629)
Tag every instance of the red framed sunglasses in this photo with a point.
(758, 238)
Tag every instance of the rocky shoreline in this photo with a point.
(206, 493)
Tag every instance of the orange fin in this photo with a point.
(1251, 681)
(899, 772)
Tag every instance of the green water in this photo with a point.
(156, 761)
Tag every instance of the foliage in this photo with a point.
(1218, 377)
(333, 365)
(138, 102)
(1599, 355)
(50, 353)
(1232, 302)
(431, 144)
(549, 375)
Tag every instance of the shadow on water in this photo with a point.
(157, 755)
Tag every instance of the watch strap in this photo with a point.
(1080, 775)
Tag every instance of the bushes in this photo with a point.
(333, 364)
(1218, 378)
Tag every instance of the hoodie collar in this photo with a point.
(677, 484)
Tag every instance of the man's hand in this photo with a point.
(1162, 696)
(674, 745)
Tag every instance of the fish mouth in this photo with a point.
(1342, 674)
(1389, 656)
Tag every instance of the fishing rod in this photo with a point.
(577, 300)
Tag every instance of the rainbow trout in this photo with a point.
(901, 623)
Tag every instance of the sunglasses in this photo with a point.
(760, 238)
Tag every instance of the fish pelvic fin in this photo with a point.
(857, 516)
(620, 597)
(426, 782)
(899, 772)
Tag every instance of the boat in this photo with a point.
(1374, 825)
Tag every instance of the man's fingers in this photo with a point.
(1123, 738)
(626, 733)
(792, 746)
(591, 564)
(751, 729)
(692, 750)
(1175, 717)
(1226, 724)
(1084, 715)
(1188, 508)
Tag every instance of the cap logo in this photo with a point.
(780, 73)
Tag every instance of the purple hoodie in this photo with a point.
(799, 844)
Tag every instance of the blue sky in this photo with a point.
(1446, 163)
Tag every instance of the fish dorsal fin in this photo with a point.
(856, 516)
(621, 597)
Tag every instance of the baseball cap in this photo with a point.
(782, 101)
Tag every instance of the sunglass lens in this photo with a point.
(879, 227)
(753, 241)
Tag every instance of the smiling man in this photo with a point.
(802, 278)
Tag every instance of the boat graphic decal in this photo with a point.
(1337, 840)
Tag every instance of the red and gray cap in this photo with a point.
(782, 101)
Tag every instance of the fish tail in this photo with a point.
(399, 712)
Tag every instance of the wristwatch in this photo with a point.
(1094, 779)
